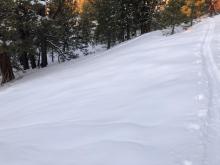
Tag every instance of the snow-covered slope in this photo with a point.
(150, 101)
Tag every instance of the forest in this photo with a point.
(31, 31)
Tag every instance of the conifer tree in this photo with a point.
(172, 15)
(147, 11)
(7, 32)
(86, 26)
(25, 22)
(105, 13)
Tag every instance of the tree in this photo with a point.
(6, 38)
(64, 33)
(193, 9)
(26, 20)
(29, 29)
(106, 29)
(172, 15)
(86, 26)
(147, 11)
(6, 68)
(120, 20)
(42, 31)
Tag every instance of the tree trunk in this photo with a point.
(52, 55)
(142, 29)
(173, 29)
(148, 26)
(173, 24)
(24, 61)
(44, 62)
(6, 68)
(38, 59)
(128, 32)
(65, 46)
(109, 43)
(122, 35)
(33, 61)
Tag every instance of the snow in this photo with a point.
(43, 2)
(151, 101)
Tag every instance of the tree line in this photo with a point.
(31, 30)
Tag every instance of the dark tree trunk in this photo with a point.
(24, 61)
(109, 44)
(38, 60)
(122, 35)
(145, 27)
(44, 62)
(6, 68)
(148, 26)
(33, 61)
(173, 29)
(52, 55)
(142, 29)
(173, 24)
(128, 32)
(65, 46)
(142, 32)
(109, 40)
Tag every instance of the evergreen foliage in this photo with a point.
(172, 15)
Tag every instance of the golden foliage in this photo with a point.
(80, 5)
(186, 10)
(189, 4)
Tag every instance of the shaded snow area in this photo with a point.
(152, 101)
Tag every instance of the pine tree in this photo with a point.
(42, 33)
(105, 13)
(25, 23)
(172, 15)
(147, 11)
(120, 20)
(64, 29)
(6, 39)
(86, 26)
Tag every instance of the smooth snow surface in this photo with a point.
(152, 101)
